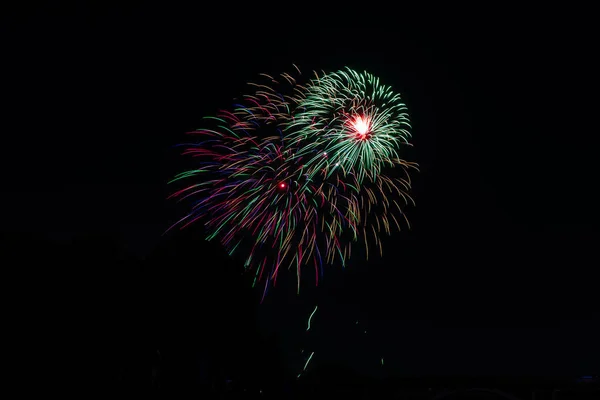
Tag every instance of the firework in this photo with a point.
(251, 193)
(349, 129)
(349, 122)
(292, 175)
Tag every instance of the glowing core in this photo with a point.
(362, 126)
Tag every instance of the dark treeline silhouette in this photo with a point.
(205, 337)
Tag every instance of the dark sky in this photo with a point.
(497, 275)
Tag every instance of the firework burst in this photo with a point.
(293, 175)
(251, 192)
(356, 121)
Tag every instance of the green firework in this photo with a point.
(348, 122)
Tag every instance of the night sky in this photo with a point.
(496, 275)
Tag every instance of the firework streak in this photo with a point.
(292, 176)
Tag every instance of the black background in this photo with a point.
(496, 277)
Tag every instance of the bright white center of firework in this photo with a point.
(361, 125)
